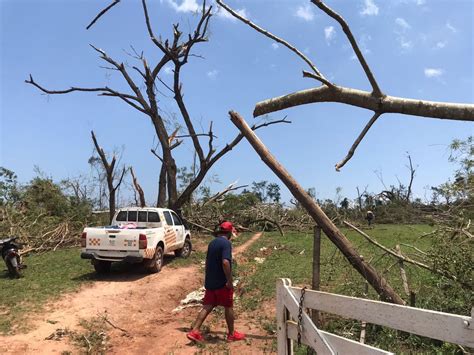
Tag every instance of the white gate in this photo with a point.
(447, 327)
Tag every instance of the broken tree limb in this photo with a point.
(365, 99)
(405, 258)
(229, 188)
(403, 274)
(334, 234)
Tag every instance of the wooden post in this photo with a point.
(330, 229)
(316, 270)
(285, 344)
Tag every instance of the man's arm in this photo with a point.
(228, 272)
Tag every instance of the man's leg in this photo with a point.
(229, 318)
(206, 309)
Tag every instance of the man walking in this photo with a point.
(218, 283)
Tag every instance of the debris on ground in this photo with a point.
(259, 260)
(194, 299)
(58, 334)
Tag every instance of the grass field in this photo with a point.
(290, 256)
(46, 277)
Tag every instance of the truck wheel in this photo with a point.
(185, 251)
(157, 262)
(102, 266)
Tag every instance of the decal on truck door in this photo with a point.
(170, 236)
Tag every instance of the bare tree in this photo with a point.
(412, 177)
(176, 52)
(138, 189)
(114, 179)
(375, 101)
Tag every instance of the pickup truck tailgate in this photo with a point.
(111, 239)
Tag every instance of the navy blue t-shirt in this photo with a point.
(219, 249)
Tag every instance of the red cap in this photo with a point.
(225, 227)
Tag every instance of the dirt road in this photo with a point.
(140, 307)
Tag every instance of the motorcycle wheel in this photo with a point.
(13, 267)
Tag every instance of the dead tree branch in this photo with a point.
(365, 99)
(229, 188)
(316, 75)
(357, 141)
(100, 14)
(345, 27)
(404, 258)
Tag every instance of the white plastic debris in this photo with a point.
(259, 260)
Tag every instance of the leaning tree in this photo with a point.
(143, 95)
(376, 101)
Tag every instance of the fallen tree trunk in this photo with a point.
(343, 244)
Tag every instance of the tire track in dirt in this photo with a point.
(140, 304)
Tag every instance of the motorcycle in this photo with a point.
(9, 250)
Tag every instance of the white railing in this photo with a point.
(447, 327)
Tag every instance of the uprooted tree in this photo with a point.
(176, 52)
(376, 101)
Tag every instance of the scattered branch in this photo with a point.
(406, 259)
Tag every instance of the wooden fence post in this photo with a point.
(316, 270)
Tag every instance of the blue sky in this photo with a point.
(416, 48)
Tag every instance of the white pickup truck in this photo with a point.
(137, 235)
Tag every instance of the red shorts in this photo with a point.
(220, 297)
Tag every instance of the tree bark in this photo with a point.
(365, 99)
(162, 187)
(337, 237)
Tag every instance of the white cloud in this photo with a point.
(433, 72)
(420, 2)
(305, 12)
(212, 74)
(168, 70)
(402, 23)
(275, 45)
(451, 27)
(185, 6)
(329, 34)
(370, 9)
(441, 44)
(405, 43)
(223, 14)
